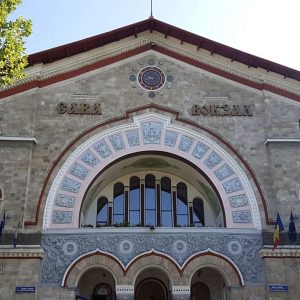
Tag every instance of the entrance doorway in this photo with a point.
(151, 289)
(102, 292)
(200, 291)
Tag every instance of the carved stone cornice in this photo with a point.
(281, 252)
(21, 252)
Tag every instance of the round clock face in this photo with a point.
(151, 78)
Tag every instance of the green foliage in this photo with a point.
(12, 46)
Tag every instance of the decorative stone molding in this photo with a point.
(24, 139)
(21, 252)
(292, 251)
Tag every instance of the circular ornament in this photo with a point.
(126, 246)
(151, 78)
(70, 248)
(180, 246)
(234, 247)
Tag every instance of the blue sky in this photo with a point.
(266, 28)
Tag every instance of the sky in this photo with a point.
(265, 28)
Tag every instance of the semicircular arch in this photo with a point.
(211, 259)
(89, 261)
(150, 132)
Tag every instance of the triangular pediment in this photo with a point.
(80, 57)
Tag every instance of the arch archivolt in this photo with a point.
(149, 132)
(89, 261)
(211, 259)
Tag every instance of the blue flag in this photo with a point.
(292, 229)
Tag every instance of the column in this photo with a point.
(181, 293)
(125, 292)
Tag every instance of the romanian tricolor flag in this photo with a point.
(278, 228)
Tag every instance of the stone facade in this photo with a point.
(237, 126)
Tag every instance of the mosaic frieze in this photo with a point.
(65, 201)
(61, 217)
(232, 186)
(117, 141)
(70, 185)
(241, 216)
(133, 138)
(223, 172)
(89, 158)
(171, 138)
(186, 143)
(212, 160)
(238, 201)
(79, 171)
(200, 150)
(62, 250)
(152, 132)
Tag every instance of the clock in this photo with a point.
(151, 78)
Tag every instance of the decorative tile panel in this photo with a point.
(117, 141)
(133, 138)
(212, 160)
(232, 186)
(62, 249)
(62, 217)
(79, 171)
(152, 132)
(102, 148)
(241, 216)
(223, 172)
(238, 201)
(186, 143)
(200, 150)
(65, 200)
(171, 138)
(70, 185)
(89, 158)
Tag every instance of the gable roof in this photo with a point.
(279, 86)
(152, 24)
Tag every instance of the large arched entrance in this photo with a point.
(151, 289)
(208, 284)
(97, 284)
(151, 284)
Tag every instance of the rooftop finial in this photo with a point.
(151, 12)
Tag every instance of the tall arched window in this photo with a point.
(181, 205)
(119, 203)
(166, 202)
(1, 194)
(198, 212)
(150, 200)
(134, 201)
(102, 212)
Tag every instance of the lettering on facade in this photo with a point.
(222, 110)
(79, 108)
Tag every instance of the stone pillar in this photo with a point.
(125, 292)
(235, 292)
(181, 293)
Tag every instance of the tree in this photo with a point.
(13, 59)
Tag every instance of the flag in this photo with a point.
(2, 224)
(278, 228)
(292, 229)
